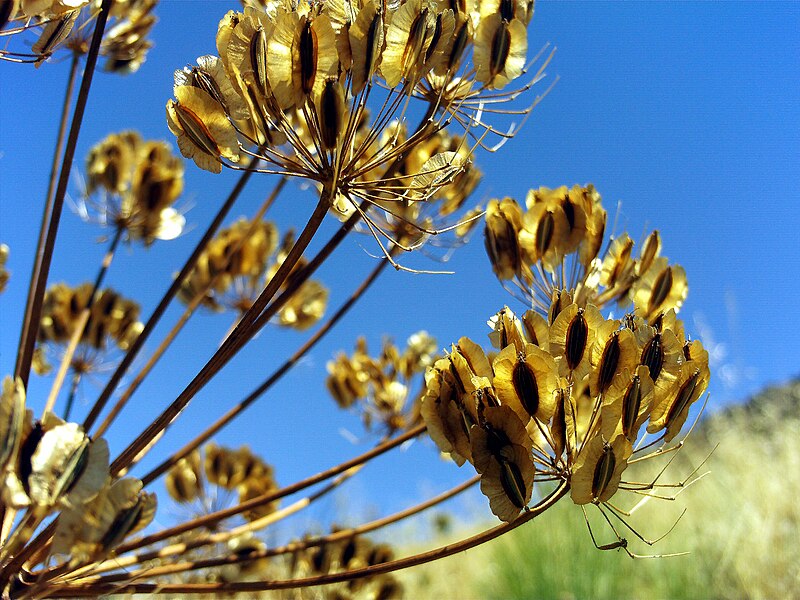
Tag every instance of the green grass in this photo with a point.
(741, 527)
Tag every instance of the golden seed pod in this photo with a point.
(408, 38)
(301, 57)
(525, 381)
(572, 335)
(447, 422)
(661, 288)
(184, 481)
(305, 307)
(500, 49)
(111, 316)
(255, 486)
(598, 469)
(503, 224)
(90, 532)
(202, 128)
(125, 45)
(110, 162)
(501, 449)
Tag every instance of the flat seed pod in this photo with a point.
(67, 466)
(447, 424)
(526, 382)
(671, 412)
(662, 288)
(507, 330)
(536, 330)
(55, 32)
(500, 49)
(407, 39)
(598, 469)
(544, 235)
(572, 336)
(301, 56)
(437, 172)
(366, 43)
(628, 404)
(202, 128)
(613, 352)
(503, 224)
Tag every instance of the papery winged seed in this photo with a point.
(194, 128)
(54, 33)
(603, 471)
(500, 48)
(608, 363)
(631, 404)
(525, 384)
(661, 289)
(684, 396)
(577, 335)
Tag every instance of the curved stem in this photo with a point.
(225, 419)
(190, 309)
(243, 332)
(370, 571)
(73, 389)
(267, 552)
(34, 311)
(215, 517)
(133, 351)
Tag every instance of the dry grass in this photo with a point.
(741, 527)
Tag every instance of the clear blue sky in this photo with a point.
(688, 114)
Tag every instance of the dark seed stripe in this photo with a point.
(608, 363)
(603, 471)
(683, 397)
(661, 289)
(631, 403)
(544, 233)
(500, 47)
(459, 43)
(122, 524)
(653, 356)
(437, 34)
(577, 335)
(513, 483)
(308, 57)
(524, 381)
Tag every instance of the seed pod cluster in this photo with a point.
(111, 317)
(236, 265)
(346, 554)
(133, 184)
(382, 386)
(50, 467)
(62, 23)
(570, 391)
(227, 469)
(560, 233)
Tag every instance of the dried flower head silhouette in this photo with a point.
(383, 110)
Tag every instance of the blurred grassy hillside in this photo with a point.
(741, 527)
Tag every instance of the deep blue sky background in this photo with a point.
(687, 114)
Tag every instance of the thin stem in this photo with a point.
(243, 332)
(190, 309)
(369, 571)
(80, 325)
(216, 517)
(289, 548)
(225, 419)
(73, 389)
(48, 206)
(132, 352)
(34, 311)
